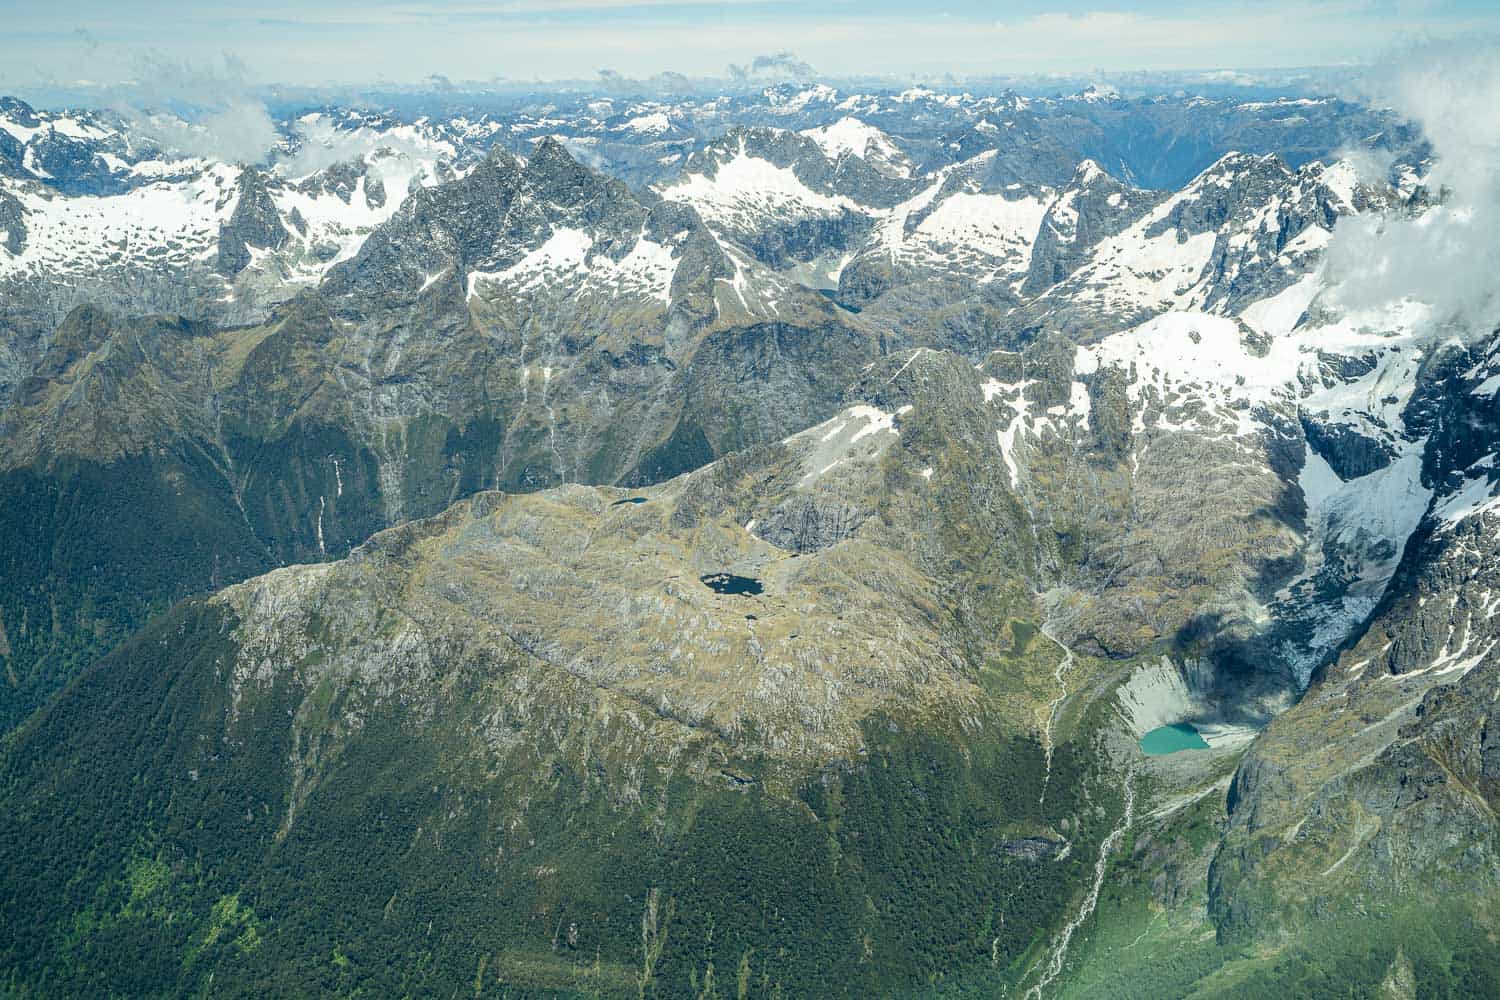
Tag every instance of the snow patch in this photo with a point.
(746, 189)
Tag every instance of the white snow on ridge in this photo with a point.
(915, 95)
(986, 228)
(1480, 493)
(62, 124)
(833, 442)
(331, 220)
(1202, 363)
(1154, 265)
(985, 236)
(1284, 102)
(1276, 315)
(1356, 532)
(1097, 93)
(174, 218)
(852, 137)
(157, 224)
(1341, 178)
(1134, 267)
(565, 250)
(1192, 357)
(649, 269)
(400, 156)
(1009, 435)
(746, 189)
(21, 133)
(866, 103)
(820, 93)
(654, 123)
(564, 260)
(890, 232)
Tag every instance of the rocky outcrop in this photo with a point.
(12, 224)
(1092, 206)
(1347, 451)
(12, 156)
(1033, 849)
(807, 524)
(488, 221)
(255, 222)
(849, 176)
(72, 166)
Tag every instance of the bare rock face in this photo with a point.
(807, 524)
(254, 223)
(1348, 452)
(1091, 207)
(73, 165)
(12, 223)
(12, 156)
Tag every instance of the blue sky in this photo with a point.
(372, 41)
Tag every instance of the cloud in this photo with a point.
(776, 64)
(1231, 78)
(212, 112)
(583, 152)
(1444, 257)
(238, 131)
(667, 82)
(321, 144)
(194, 110)
(673, 82)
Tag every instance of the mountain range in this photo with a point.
(739, 545)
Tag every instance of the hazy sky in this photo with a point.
(47, 42)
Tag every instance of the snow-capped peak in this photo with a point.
(852, 137)
(654, 123)
(1088, 172)
(1098, 93)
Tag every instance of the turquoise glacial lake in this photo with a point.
(1170, 739)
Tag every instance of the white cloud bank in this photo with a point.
(1447, 256)
(192, 110)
